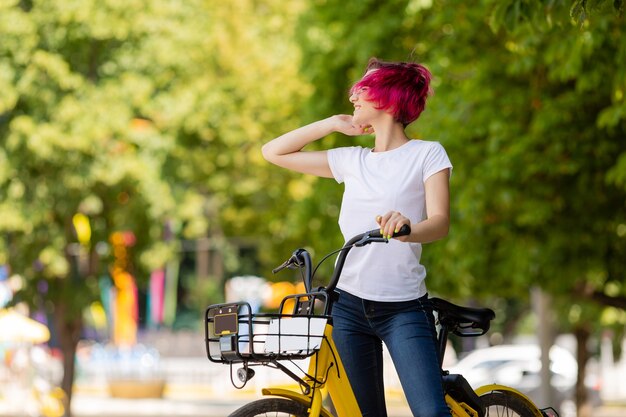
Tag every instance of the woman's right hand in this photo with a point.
(343, 123)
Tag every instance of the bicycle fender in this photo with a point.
(496, 387)
(294, 396)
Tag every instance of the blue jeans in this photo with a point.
(408, 330)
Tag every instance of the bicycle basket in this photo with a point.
(234, 334)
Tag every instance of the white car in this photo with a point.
(519, 366)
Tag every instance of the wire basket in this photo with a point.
(234, 334)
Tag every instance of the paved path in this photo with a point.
(87, 404)
(98, 407)
(94, 407)
(196, 388)
(192, 404)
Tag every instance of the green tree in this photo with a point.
(134, 115)
(529, 102)
(75, 141)
(531, 117)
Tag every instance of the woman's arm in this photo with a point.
(286, 150)
(437, 223)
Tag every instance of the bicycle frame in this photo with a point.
(326, 371)
(339, 389)
(326, 368)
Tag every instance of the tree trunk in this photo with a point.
(68, 330)
(545, 334)
(583, 405)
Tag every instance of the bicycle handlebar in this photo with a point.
(301, 258)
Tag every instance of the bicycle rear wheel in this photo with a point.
(507, 404)
(274, 407)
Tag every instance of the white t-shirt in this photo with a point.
(375, 183)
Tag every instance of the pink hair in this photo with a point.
(401, 88)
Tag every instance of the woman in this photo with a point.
(399, 181)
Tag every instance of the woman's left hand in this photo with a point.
(391, 222)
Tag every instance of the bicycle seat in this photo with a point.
(463, 321)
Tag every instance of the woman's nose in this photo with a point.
(353, 97)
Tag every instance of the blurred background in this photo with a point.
(133, 192)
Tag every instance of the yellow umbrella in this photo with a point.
(16, 327)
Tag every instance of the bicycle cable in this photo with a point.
(328, 256)
(334, 357)
(232, 381)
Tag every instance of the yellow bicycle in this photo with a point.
(302, 329)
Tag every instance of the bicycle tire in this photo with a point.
(507, 404)
(260, 408)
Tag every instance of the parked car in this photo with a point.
(519, 366)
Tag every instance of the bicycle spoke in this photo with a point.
(507, 404)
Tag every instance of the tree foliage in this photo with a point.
(144, 114)
(530, 104)
(136, 115)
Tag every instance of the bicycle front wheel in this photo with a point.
(274, 407)
(507, 404)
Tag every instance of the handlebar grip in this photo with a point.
(404, 231)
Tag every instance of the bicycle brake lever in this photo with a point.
(292, 263)
(376, 236)
(371, 240)
(368, 238)
(281, 267)
(296, 258)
